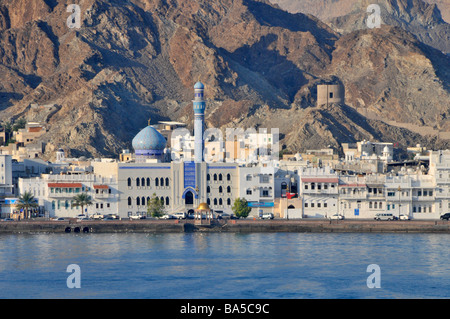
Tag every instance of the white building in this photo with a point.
(256, 185)
(440, 170)
(367, 150)
(319, 191)
(55, 193)
(6, 180)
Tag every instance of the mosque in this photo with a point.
(183, 185)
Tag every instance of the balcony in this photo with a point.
(63, 194)
(103, 195)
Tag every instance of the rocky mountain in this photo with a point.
(419, 17)
(132, 60)
(327, 9)
(415, 16)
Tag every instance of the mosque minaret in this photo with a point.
(199, 120)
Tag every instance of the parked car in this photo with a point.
(168, 216)
(266, 216)
(8, 220)
(97, 216)
(404, 217)
(114, 216)
(134, 217)
(109, 218)
(446, 216)
(384, 216)
(337, 216)
(81, 216)
(59, 219)
(181, 215)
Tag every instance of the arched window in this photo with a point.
(228, 201)
(215, 177)
(143, 201)
(53, 205)
(215, 201)
(148, 181)
(143, 181)
(220, 189)
(138, 201)
(156, 182)
(220, 177)
(167, 181)
(148, 199)
(161, 181)
(228, 189)
(129, 201)
(167, 201)
(228, 177)
(208, 201)
(208, 177)
(137, 181)
(162, 200)
(208, 189)
(129, 181)
(220, 201)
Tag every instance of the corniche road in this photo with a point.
(234, 225)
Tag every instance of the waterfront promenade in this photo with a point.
(244, 226)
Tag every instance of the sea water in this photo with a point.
(224, 265)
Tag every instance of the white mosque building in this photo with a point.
(183, 185)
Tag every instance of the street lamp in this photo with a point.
(399, 189)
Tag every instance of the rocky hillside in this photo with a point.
(415, 16)
(132, 60)
(327, 9)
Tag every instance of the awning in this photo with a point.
(375, 185)
(320, 180)
(101, 187)
(65, 185)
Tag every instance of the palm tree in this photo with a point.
(82, 200)
(26, 201)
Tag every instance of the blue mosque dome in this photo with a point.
(149, 139)
(199, 85)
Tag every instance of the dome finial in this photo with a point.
(149, 120)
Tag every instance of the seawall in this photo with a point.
(241, 226)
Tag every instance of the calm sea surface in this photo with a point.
(235, 266)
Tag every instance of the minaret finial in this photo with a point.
(149, 120)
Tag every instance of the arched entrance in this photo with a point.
(189, 198)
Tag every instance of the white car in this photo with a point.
(168, 216)
(97, 216)
(403, 217)
(337, 216)
(181, 215)
(135, 217)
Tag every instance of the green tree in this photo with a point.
(155, 207)
(19, 124)
(12, 126)
(7, 126)
(240, 208)
(82, 200)
(26, 201)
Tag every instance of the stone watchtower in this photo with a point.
(330, 93)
